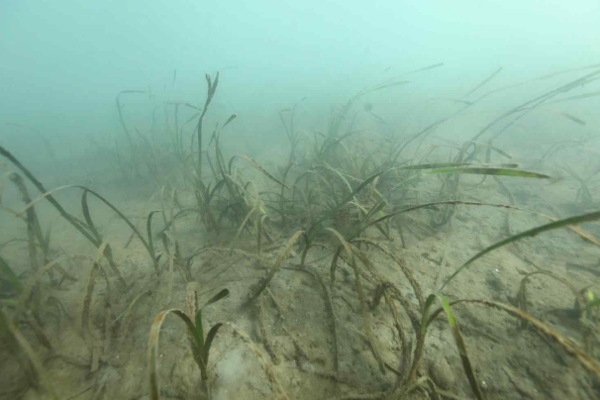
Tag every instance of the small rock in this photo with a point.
(493, 280)
(484, 386)
(441, 373)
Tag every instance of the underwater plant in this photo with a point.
(326, 223)
(199, 343)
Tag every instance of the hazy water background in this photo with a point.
(62, 64)
(64, 61)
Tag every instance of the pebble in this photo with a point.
(441, 373)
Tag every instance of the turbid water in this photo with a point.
(303, 216)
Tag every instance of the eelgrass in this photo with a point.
(264, 282)
(426, 320)
(339, 182)
(578, 219)
(120, 111)
(199, 343)
(359, 290)
(430, 169)
(9, 276)
(342, 185)
(32, 356)
(290, 131)
(47, 195)
(88, 229)
(87, 329)
(584, 359)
